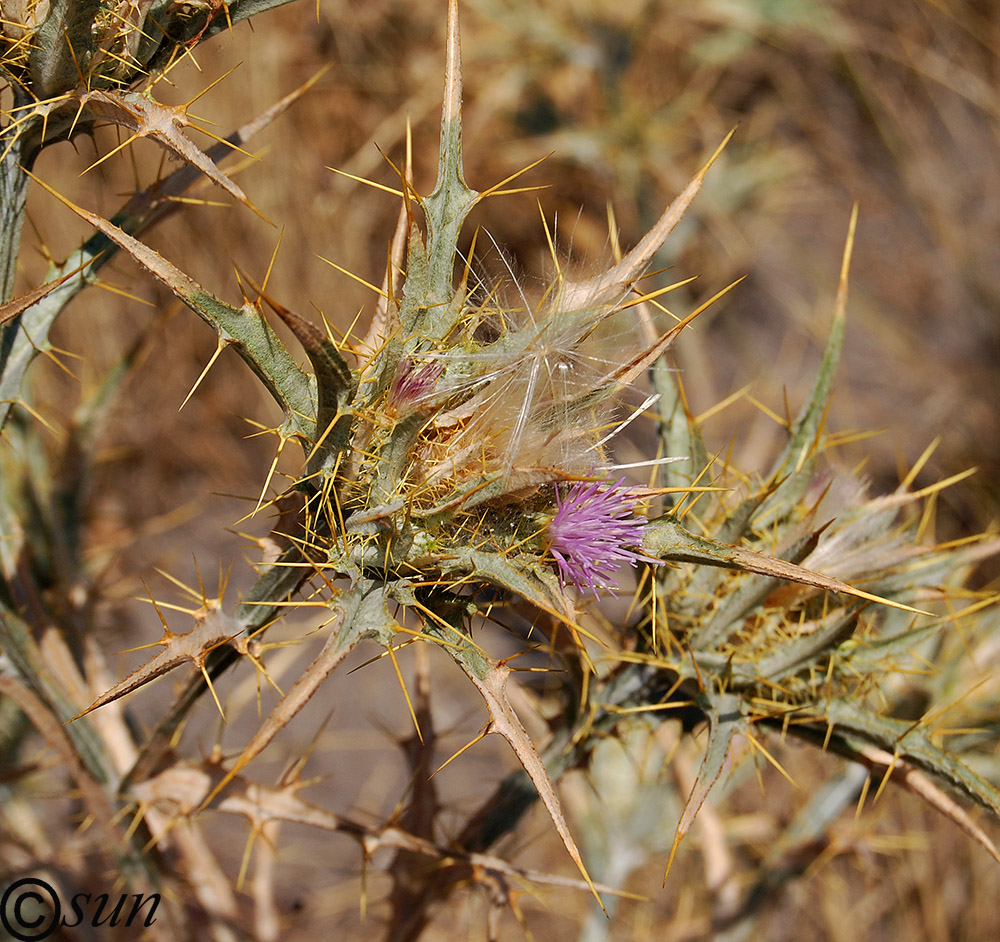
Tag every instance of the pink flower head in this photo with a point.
(589, 533)
(411, 383)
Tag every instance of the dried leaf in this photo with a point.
(164, 124)
(615, 282)
(20, 304)
(915, 781)
(491, 684)
(214, 629)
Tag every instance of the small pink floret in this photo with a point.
(412, 383)
(589, 534)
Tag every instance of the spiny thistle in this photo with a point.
(428, 467)
(440, 487)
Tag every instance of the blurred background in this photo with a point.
(895, 107)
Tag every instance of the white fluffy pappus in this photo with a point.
(540, 392)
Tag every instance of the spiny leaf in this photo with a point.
(237, 10)
(215, 629)
(62, 36)
(242, 327)
(812, 642)
(261, 803)
(797, 459)
(725, 721)
(20, 304)
(868, 656)
(705, 581)
(363, 615)
(851, 721)
(334, 388)
(915, 781)
(505, 722)
(490, 679)
(164, 124)
(669, 541)
(159, 200)
(615, 282)
(745, 597)
(625, 374)
(260, 609)
(502, 573)
(447, 207)
(679, 433)
(143, 210)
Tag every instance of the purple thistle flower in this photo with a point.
(588, 534)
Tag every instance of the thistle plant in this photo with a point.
(457, 485)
